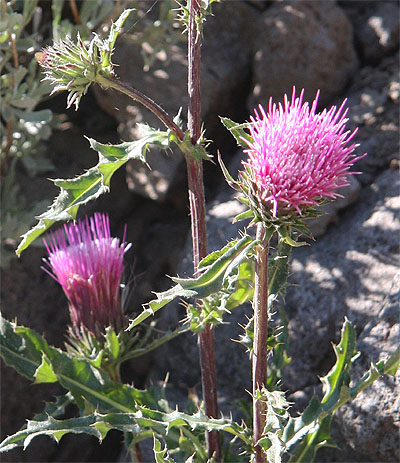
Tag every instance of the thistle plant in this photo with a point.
(296, 160)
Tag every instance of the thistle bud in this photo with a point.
(72, 66)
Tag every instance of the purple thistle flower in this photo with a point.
(296, 157)
(88, 263)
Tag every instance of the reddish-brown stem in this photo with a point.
(260, 307)
(142, 99)
(75, 12)
(198, 219)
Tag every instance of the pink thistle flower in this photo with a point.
(297, 157)
(88, 263)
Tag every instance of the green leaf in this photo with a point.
(93, 183)
(211, 279)
(162, 300)
(112, 343)
(338, 378)
(161, 455)
(306, 451)
(388, 366)
(54, 409)
(246, 215)
(115, 29)
(229, 179)
(279, 273)
(137, 423)
(276, 416)
(238, 131)
(23, 353)
(280, 357)
(23, 348)
(45, 373)
(216, 268)
(243, 286)
(117, 406)
(310, 431)
(297, 428)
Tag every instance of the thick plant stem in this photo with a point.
(156, 109)
(260, 307)
(198, 219)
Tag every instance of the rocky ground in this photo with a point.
(252, 50)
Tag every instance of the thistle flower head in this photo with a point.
(88, 263)
(297, 157)
(72, 66)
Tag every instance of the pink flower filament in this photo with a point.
(88, 263)
(298, 157)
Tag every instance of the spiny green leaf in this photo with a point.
(137, 423)
(276, 416)
(229, 179)
(55, 409)
(307, 422)
(278, 275)
(310, 431)
(217, 267)
(243, 286)
(163, 299)
(387, 366)
(115, 29)
(211, 279)
(161, 455)
(24, 354)
(306, 451)
(237, 131)
(280, 358)
(45, 373)
(338, 376)
(22, 347)
(112, 343)
(93, 183)
(246, 215)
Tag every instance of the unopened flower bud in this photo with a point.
(73, 66)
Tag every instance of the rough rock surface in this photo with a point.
(349, 277)
(373, 100)
(376, 28)
(283, 57)
(371, 420)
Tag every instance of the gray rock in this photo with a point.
(347, 272)
(376, 28)
(372, 420)
(304, 43)
(349, 195)
(373, 100)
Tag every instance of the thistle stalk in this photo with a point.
(260, 307)
(163, 116)
(198, 222)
